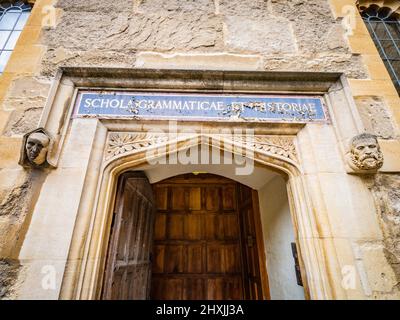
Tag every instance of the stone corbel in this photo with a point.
(36, 149)
(364, 155)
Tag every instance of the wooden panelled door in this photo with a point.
(207, 241)
(256, 278)
(128, 266)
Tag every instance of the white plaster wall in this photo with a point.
(278, 235)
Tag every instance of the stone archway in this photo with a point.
(275, 153)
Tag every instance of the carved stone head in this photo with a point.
(365, 153)
(35, 148)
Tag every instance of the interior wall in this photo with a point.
(278, 235)
(259, 177)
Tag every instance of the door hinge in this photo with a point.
(297, 264)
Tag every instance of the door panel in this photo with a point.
(198, 250)
(256, 280)
(202, 233)
(128, 267)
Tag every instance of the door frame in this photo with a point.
(262, 256)
(91, 277)
(86, 224)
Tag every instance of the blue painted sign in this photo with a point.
(212, 107)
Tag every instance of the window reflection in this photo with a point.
(384, 28)
(13, 17)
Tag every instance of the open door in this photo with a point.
(253, 251)
(128, 266)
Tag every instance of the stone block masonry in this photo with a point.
(263, 35)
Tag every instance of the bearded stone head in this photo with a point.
(365, 153)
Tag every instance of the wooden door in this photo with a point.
(197, 241)
(256, 279)
(128, 268)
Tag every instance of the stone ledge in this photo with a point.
(362, 45)
(218, 61)
(361, 87)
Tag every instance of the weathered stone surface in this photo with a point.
(111, 34)
(150, 31)
(84, 31)
(23, 121)
(176, 5)
(375, 116)
(177, 31)
(318, 62)
(29, 88)
(14, 203)
(244, 8)
(381, 277)
(8, 275)
(18, 192)
(9, 178)
(22, 103)
(24, 97)
(143, 5)
(95, 5)
(313, 24)
(269, 35)
(111, 39)
(386, 191)
(218, 61)
(70, 57)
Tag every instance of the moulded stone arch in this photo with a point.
(265, 154)
(274, 151)
(393, 6)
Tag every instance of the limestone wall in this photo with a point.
(273, 35)
(386, 191)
